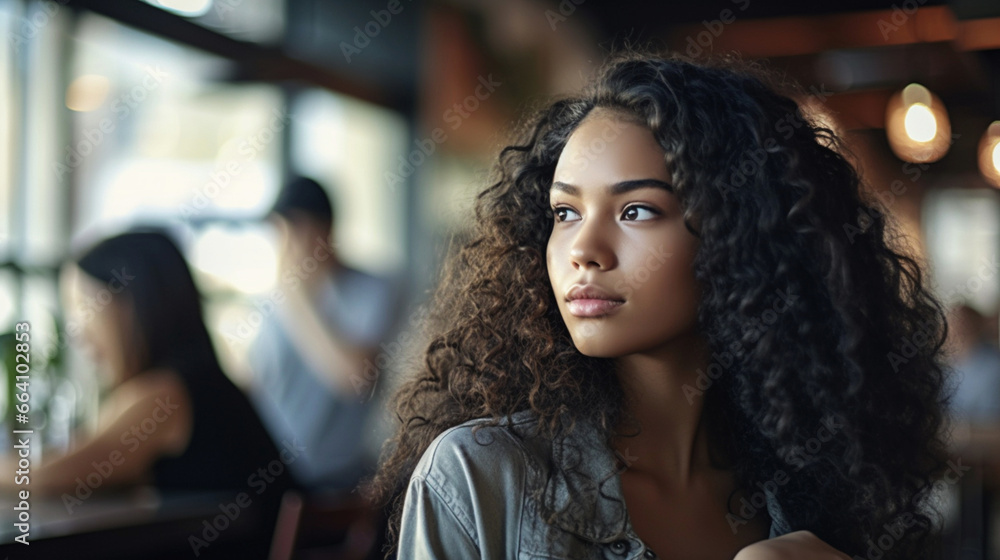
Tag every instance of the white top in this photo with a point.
(292, 400)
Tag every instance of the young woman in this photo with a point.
(682, 331)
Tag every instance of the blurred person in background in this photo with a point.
(171, 417)
(976, 363)
(313, 359)
(974, 413)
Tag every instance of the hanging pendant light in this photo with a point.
(917, 125)
(989, 154)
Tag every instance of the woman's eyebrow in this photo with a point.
(617, 188)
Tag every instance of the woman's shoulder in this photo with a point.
(467, 492)
(490, 488)
(158, 386)
(477, 448)
(158, 379)
(155, 402)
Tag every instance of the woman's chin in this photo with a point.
(596, 348)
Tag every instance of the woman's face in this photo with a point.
(96, 321)
(618, 229)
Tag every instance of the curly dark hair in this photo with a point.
(778, 209)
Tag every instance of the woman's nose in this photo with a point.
(591, 246)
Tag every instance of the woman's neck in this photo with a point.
(666, 398)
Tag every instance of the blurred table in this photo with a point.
(133, 525)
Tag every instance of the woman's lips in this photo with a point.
(592, 307)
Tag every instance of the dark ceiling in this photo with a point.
(863, 50)
(847, 46)
(622, 16)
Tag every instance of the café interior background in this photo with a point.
(192, 113)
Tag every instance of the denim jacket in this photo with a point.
(469, 497)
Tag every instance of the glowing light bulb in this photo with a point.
(920, 123)
(917, 125)
(989, 154)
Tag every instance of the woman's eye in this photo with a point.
(634, 213)
(639, 213)
(563, 214)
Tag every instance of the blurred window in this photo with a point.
(962, 227)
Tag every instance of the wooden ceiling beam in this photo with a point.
(791, 36)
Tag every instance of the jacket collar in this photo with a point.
(584, 494)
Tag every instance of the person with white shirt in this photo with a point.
(313, 360)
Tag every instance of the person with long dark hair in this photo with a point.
(171, 417)
(681, 328)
